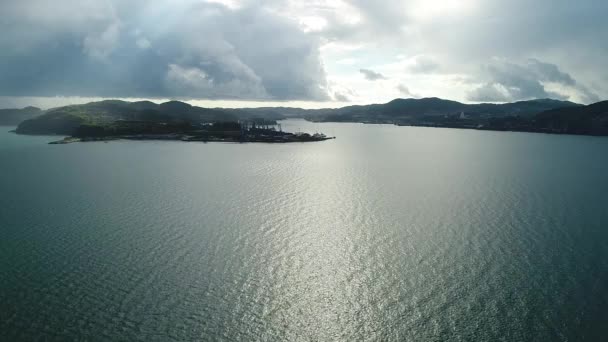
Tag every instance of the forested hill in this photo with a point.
(65, 120)
(415, 110)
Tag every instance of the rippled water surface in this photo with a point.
(386, 233)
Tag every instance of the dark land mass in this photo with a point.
(540, 116)
(418, 110)
(578, 120)
(67, 120)
(112, 119)
(144, 118)
(231, 131)
(12, 117)
(588, 120)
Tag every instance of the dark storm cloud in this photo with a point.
(550, 72)
(371, 75)
(187, 49)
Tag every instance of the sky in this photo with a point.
(312, 54)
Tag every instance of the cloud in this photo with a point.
(389, 16)
(341, 97)
(185, 49)
(341, 92)
(549, 72)
(143, 43)
(371, 75)
(507, 81)
(288, 49)
(191, 81)
(100, 45)
(405, 91)
(490, 92)
(423, 65)
(461, 35)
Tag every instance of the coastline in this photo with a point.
(191, 138)
(474, 127)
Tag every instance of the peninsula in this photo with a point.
(113, 119)
(242, 132)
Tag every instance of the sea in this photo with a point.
(385, 233)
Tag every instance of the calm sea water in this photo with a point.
(384, 234)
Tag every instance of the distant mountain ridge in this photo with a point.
(404, 109)
(545, 115)
(12, 117)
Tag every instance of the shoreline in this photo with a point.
(189, 138)
(489, 129)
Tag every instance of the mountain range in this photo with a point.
(401, 110)
(542, 115)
